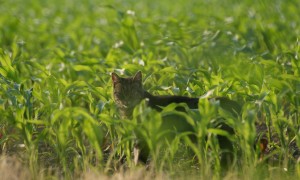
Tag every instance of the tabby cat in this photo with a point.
(128, 92)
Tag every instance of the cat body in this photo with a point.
(128, 93)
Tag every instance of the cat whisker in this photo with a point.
(124, 106)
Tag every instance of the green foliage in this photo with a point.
(55, 89)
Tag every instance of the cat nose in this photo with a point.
(126, 103)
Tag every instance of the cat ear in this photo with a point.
(115, 78)
(138, 76)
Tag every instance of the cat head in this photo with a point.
(128, 92)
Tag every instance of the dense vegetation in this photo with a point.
(57, 115)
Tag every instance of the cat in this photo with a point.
(129, 92)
